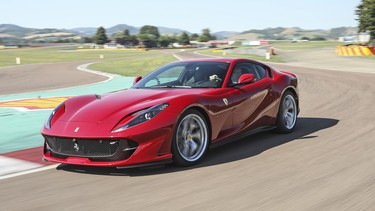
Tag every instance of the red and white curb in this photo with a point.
(11, 165)
(23, 162)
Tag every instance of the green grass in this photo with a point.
(274, 58)
(133, 66)
(287, 45)
(51, 55)
(364, 57)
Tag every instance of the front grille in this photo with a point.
(94, 149)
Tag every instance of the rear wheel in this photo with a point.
(287, 116)
(190, 139)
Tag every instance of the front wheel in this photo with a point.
(190, 139)
(287, 115)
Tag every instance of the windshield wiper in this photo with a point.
(170, 86)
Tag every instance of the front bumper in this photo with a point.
(110, 152)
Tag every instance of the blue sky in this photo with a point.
(191, 15)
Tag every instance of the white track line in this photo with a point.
(177, 57)
(196, 52)
(84, 68)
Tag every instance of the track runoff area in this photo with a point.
(22, 116)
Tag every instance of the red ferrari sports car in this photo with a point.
(174, 114)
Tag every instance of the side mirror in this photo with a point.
(246, 78)
(138, 78)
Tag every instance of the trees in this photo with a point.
(148, 36)
(148, 40)
(87, 39)
(206, 36)
(164, 41)
(126, 32)
(184, 39)
(194, 36)
(100, 37)
(366, 17)
(318, 38)
(147, 29)
(124, 38)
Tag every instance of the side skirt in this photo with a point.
(243, 135)
(163, 162)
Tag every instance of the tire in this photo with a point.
(287, 115)
(190, 138)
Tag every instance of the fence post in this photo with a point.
(268, 56)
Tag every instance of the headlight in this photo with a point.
(143, 116)
(48, 122)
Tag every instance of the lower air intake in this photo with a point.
(94, 149)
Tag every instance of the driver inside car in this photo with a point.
(204, 78)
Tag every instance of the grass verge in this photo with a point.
(274, 58)
(287, 45)
(50, 55)
(133, 66)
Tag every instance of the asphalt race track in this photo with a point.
(327, 163)
(39, 77)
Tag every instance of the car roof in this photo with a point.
(229, 60)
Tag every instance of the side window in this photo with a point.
(237, 71)
(261, 71)
(245, 68)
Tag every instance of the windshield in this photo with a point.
(186, 75)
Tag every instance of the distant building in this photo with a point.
(113, 45)
(254, 42)
(348, 39)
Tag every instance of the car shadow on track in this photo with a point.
(244, 148)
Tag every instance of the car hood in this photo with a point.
(115, 106)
